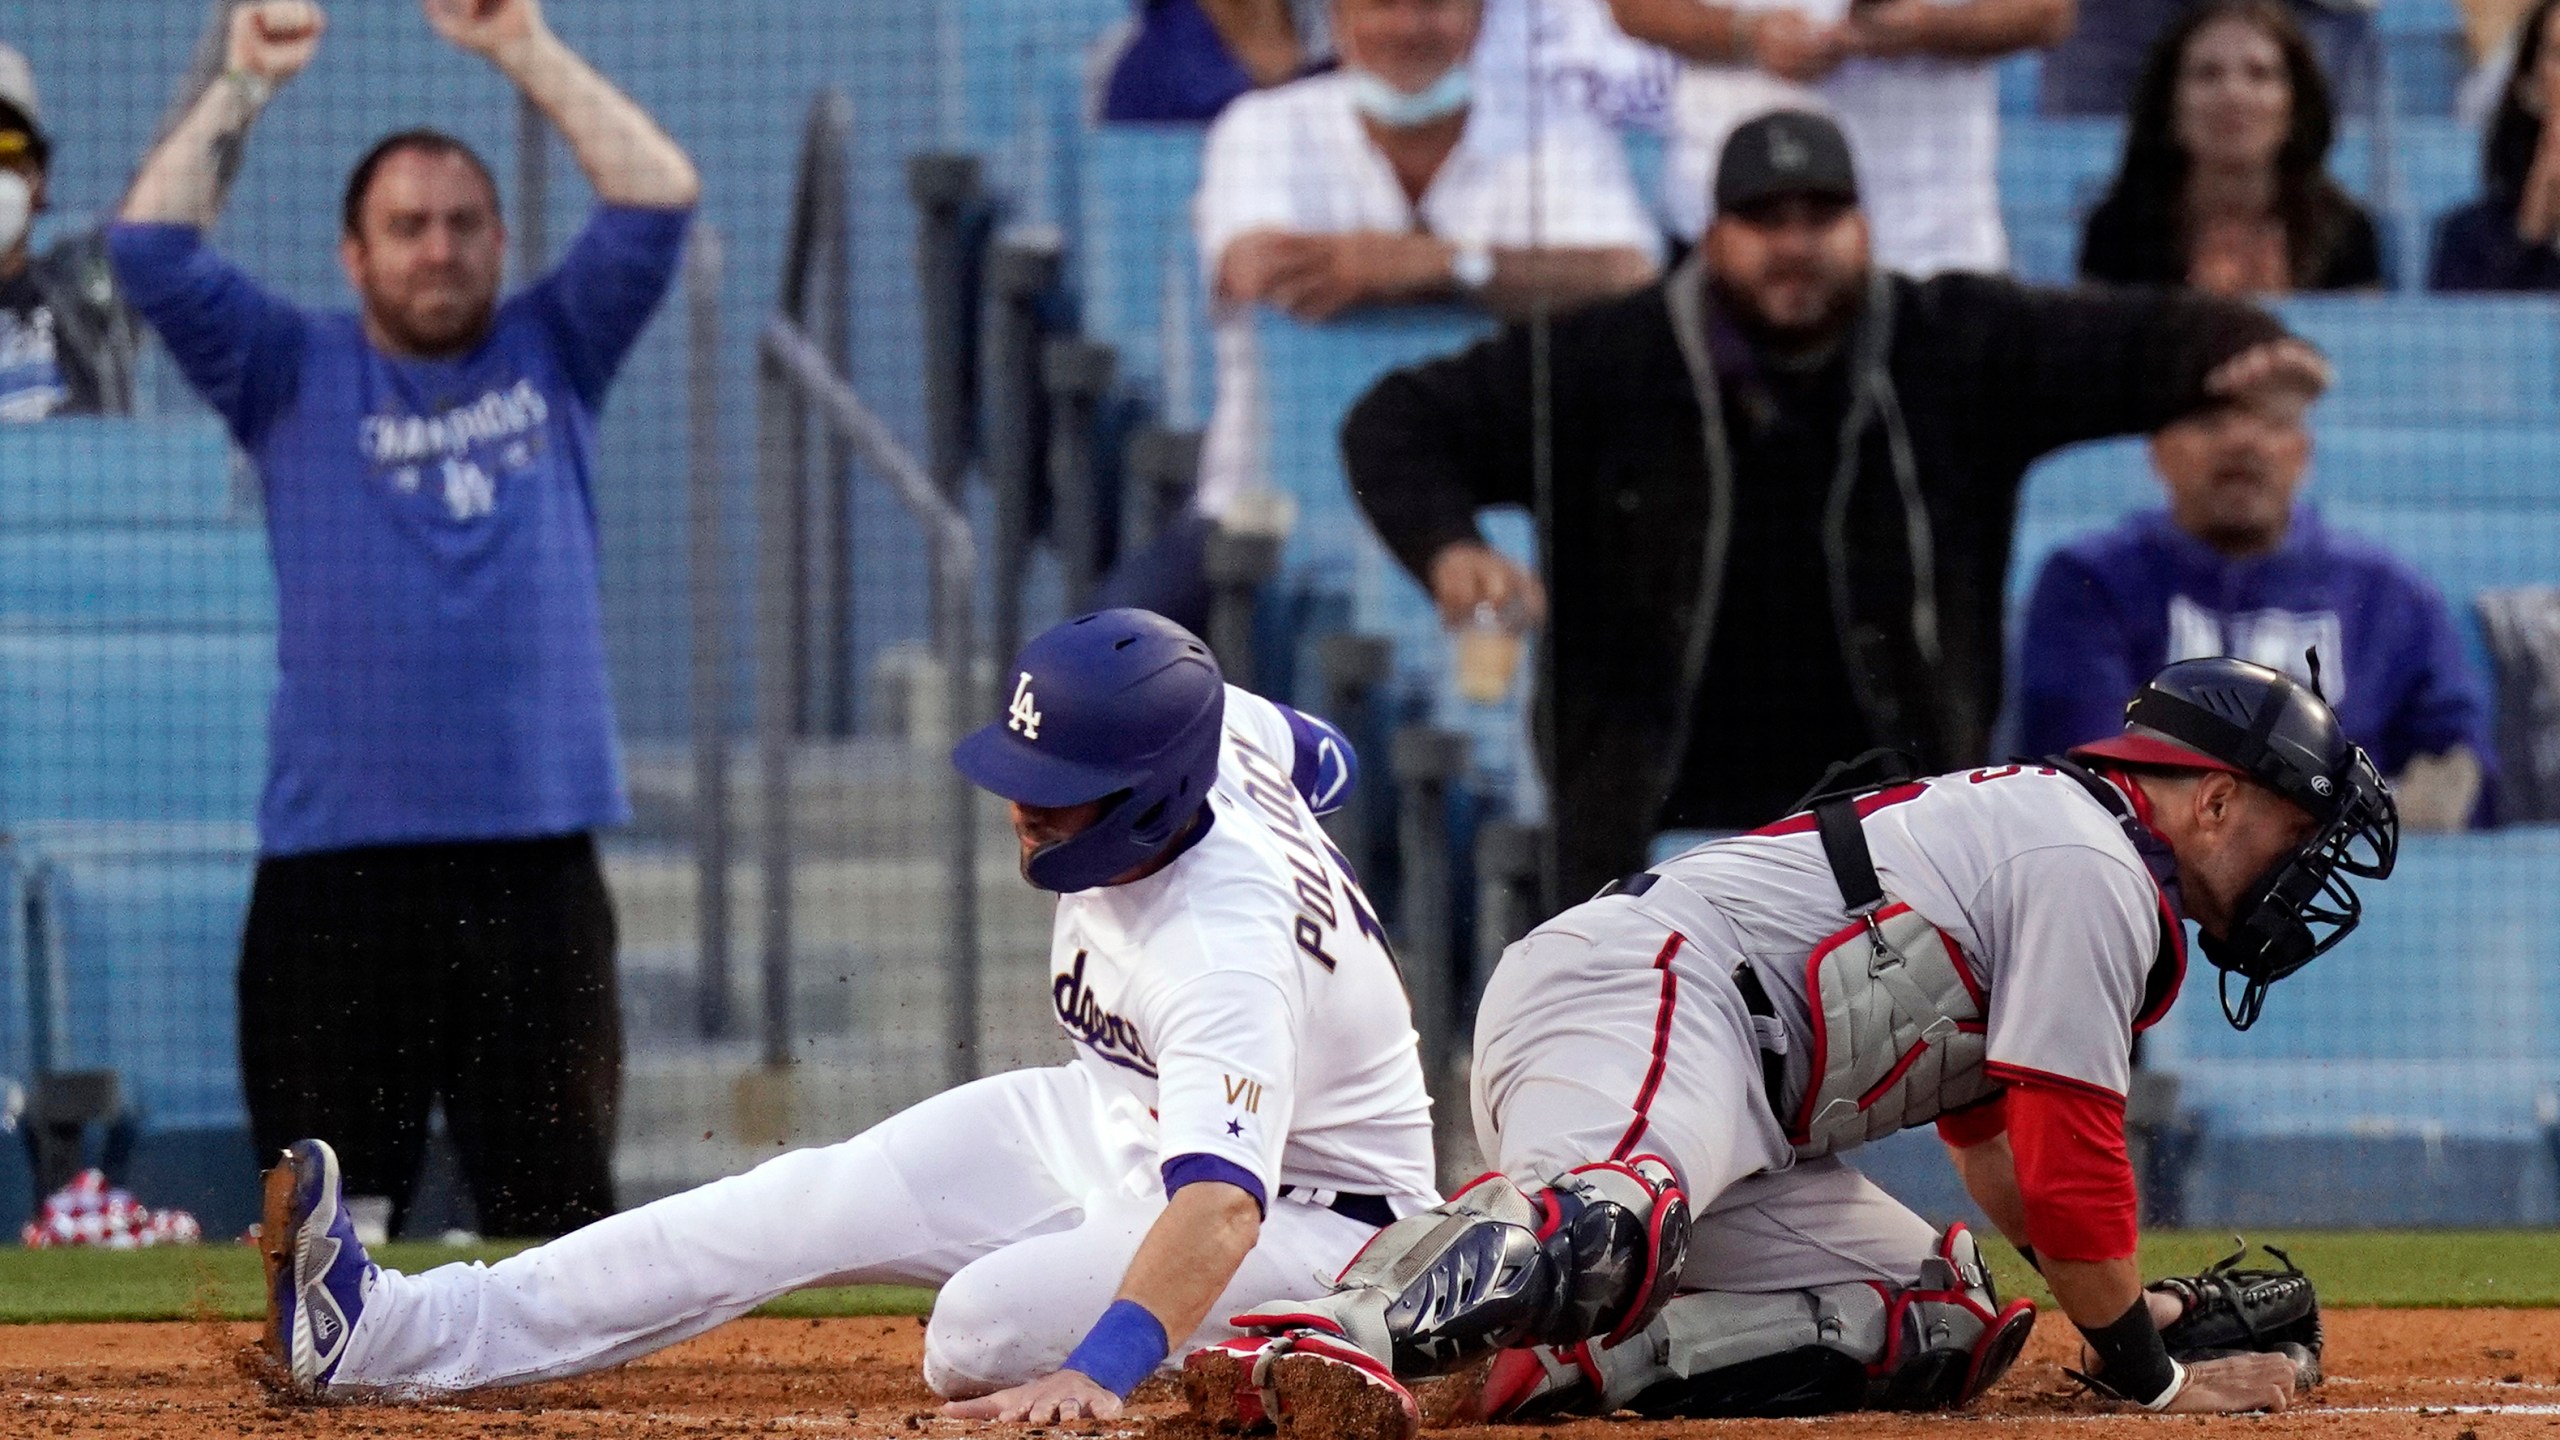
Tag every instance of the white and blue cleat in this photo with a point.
(317, 1272)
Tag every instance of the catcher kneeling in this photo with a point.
(1667, 1074)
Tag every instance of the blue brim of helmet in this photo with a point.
(1000, 762)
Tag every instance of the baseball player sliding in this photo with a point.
(1667, 1074)
(1243, 1111)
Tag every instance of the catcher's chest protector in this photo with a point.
(1897, 1032)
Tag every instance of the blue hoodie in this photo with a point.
(2110, 609)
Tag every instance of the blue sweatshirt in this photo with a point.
(2110, 609)
(433, 528)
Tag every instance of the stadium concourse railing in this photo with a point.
(811, 426)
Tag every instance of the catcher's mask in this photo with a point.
(2225, 714)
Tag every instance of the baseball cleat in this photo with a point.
(317, 1272)
(1299, 1381)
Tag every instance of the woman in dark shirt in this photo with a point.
(2503, 240)
(2224, 185)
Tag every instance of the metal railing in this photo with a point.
(813, 426)
(707, 550)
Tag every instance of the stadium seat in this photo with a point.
(2437, 360)
(145, 946)
(2437, 1016)
(1023, 107)
(126, 577)
(17, 998)
(1142, 284)
(1314, 374)
(154, 725)
(118, 472)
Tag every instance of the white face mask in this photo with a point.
(17, 203)
(1401, 110)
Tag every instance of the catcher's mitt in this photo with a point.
(2230, 1310)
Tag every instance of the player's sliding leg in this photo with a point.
(912, 1200)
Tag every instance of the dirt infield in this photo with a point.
(2441, 1373)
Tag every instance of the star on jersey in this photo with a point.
(1235, 1127)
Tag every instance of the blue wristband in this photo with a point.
(1124, 1347)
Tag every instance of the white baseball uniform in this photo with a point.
(1236, 1016)
(1619, 1028)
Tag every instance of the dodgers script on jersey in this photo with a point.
(2031, 877)
(1245, 993)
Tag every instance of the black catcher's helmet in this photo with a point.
(2226, 714)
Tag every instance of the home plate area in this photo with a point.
(2443, 1373)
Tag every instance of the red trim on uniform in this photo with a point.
(1661, 1046)
(2067, 1137)
(1977, 1124)
(1893, 1076)
(1285, 1320)
(2008, 1074)
(1964, 974)
(1803, 821)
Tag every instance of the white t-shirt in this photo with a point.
(1924, 131)
(2035, 881)
(1245, 993)
(1296, 158)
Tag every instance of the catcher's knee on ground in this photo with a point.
(1594, 1253)
(1818, 1351)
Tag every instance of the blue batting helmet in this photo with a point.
(1121, 706)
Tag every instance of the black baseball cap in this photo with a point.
(1785, 152)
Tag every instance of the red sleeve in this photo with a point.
(2068, 1140)
(1975, 1124)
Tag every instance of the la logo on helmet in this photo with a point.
(1023, 715)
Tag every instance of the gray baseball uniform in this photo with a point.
(1621, 1027)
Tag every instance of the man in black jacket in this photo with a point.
(1805, 557)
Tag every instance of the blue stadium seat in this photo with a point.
(146, 946)
(1135, 261)
(2436, 1017)
(117, 472)
(2445, 360)
(1647, 152)
(213, 578)
(1024, 100)
(1313, 375)
(17, 1044)
(2057, 164)
(154, 725)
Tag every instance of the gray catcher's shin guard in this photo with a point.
(1820, 1351)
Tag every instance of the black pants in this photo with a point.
(374, 981)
